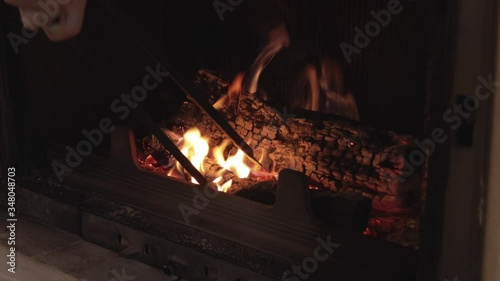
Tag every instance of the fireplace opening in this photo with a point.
(269, 128)
(345, 163)
(296, 105)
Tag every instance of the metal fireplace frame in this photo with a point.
(453, 226)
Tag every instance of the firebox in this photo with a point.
(250, 140)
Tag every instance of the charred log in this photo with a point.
(333, 153)
(341, 158)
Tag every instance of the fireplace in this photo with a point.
(229, 140)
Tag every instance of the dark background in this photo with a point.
(64, 94)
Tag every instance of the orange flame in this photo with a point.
(233, 163)
(196, 149)
(329, 83)
(233, 92)
(278, 39)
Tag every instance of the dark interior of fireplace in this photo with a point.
(351, 165)
(230, 47)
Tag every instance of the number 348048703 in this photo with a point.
(11, 186)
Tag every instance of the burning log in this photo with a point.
(339, 157)
(334, 154)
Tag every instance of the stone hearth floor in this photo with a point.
(44, 253)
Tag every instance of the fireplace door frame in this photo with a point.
(456, 192)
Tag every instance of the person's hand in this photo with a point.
(59, 19)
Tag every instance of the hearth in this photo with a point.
(251, 141)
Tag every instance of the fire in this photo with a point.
(196, 149)
(278, 39)
(233, 92)
(329, 83)
(233, 163)
(225, 186)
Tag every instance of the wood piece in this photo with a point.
(334, 153)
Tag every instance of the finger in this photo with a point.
(27, 20)
(36, 18)
(25, 4)
(70, 22)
